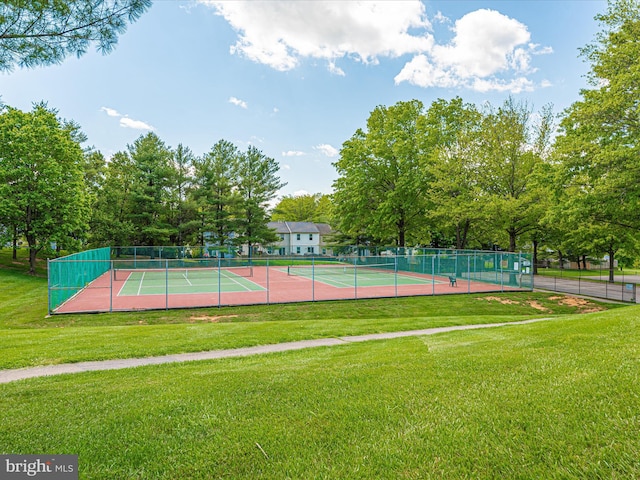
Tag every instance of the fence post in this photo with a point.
(433, 275)
(313, 279)
(219, 284)
(395, 275)
(111, 288)
(49, 285)
(166, 285)
(468, 274)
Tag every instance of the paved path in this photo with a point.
(7, 376)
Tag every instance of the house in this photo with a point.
(300, 238)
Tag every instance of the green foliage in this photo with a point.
(42, 190)
(511, 149)
(382, 177)
(600, 136)
(213, 194)
(257, 184)
(303, 208)
(38, 32)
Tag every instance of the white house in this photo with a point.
(300, 238)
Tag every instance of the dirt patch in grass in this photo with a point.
(537, 306)
(504, 301)
(210, 319)
(585, 306)
(580, 304)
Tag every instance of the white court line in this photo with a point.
(140, 285)
(185, 277)
(123, 284)
(237, 282)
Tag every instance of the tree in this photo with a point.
(457, 200)
(111, 223)
(303, 208)
(214, 195)
(511, 146)
(42, 190)
(257, 185)
(599, 143)
(42, 32)
(180, 208)
(382, 177)
(153, 182)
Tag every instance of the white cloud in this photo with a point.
(327, 150)
(110, 111)
(127, 122)
(238, 102)
(293, 153)
(489, 51)
(440, 18)
(281, 33)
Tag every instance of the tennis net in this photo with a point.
(344, 269)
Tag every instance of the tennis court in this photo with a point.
(105, 280)
(185, 281)
(349, 276)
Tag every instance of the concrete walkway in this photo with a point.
(7, 376)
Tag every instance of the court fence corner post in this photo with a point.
(49, 285)
(166, 285)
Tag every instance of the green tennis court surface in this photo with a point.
(348, 276)
(185, 281)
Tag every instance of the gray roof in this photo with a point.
(300, 227)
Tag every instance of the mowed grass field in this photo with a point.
(554, 399)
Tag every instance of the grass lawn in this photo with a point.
(554, 399)
(557, 399)
(29, 338)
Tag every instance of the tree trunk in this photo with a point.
(535, 257)
(561, 260)
(611, 267)
(512, 240)
(584, 261)
(15, 242)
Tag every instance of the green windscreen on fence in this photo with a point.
(68, 275)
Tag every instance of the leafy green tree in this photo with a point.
(42, 189)
(42, 32)
(303, 208)
(257, 184)
(181, 210)
(111, 223)
(150, 195)
(454, 191)
(214, 195)
(382, 177)
(511, 147)
(600, 134)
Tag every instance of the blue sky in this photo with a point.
(297, 78)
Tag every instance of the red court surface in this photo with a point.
(102, 295)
